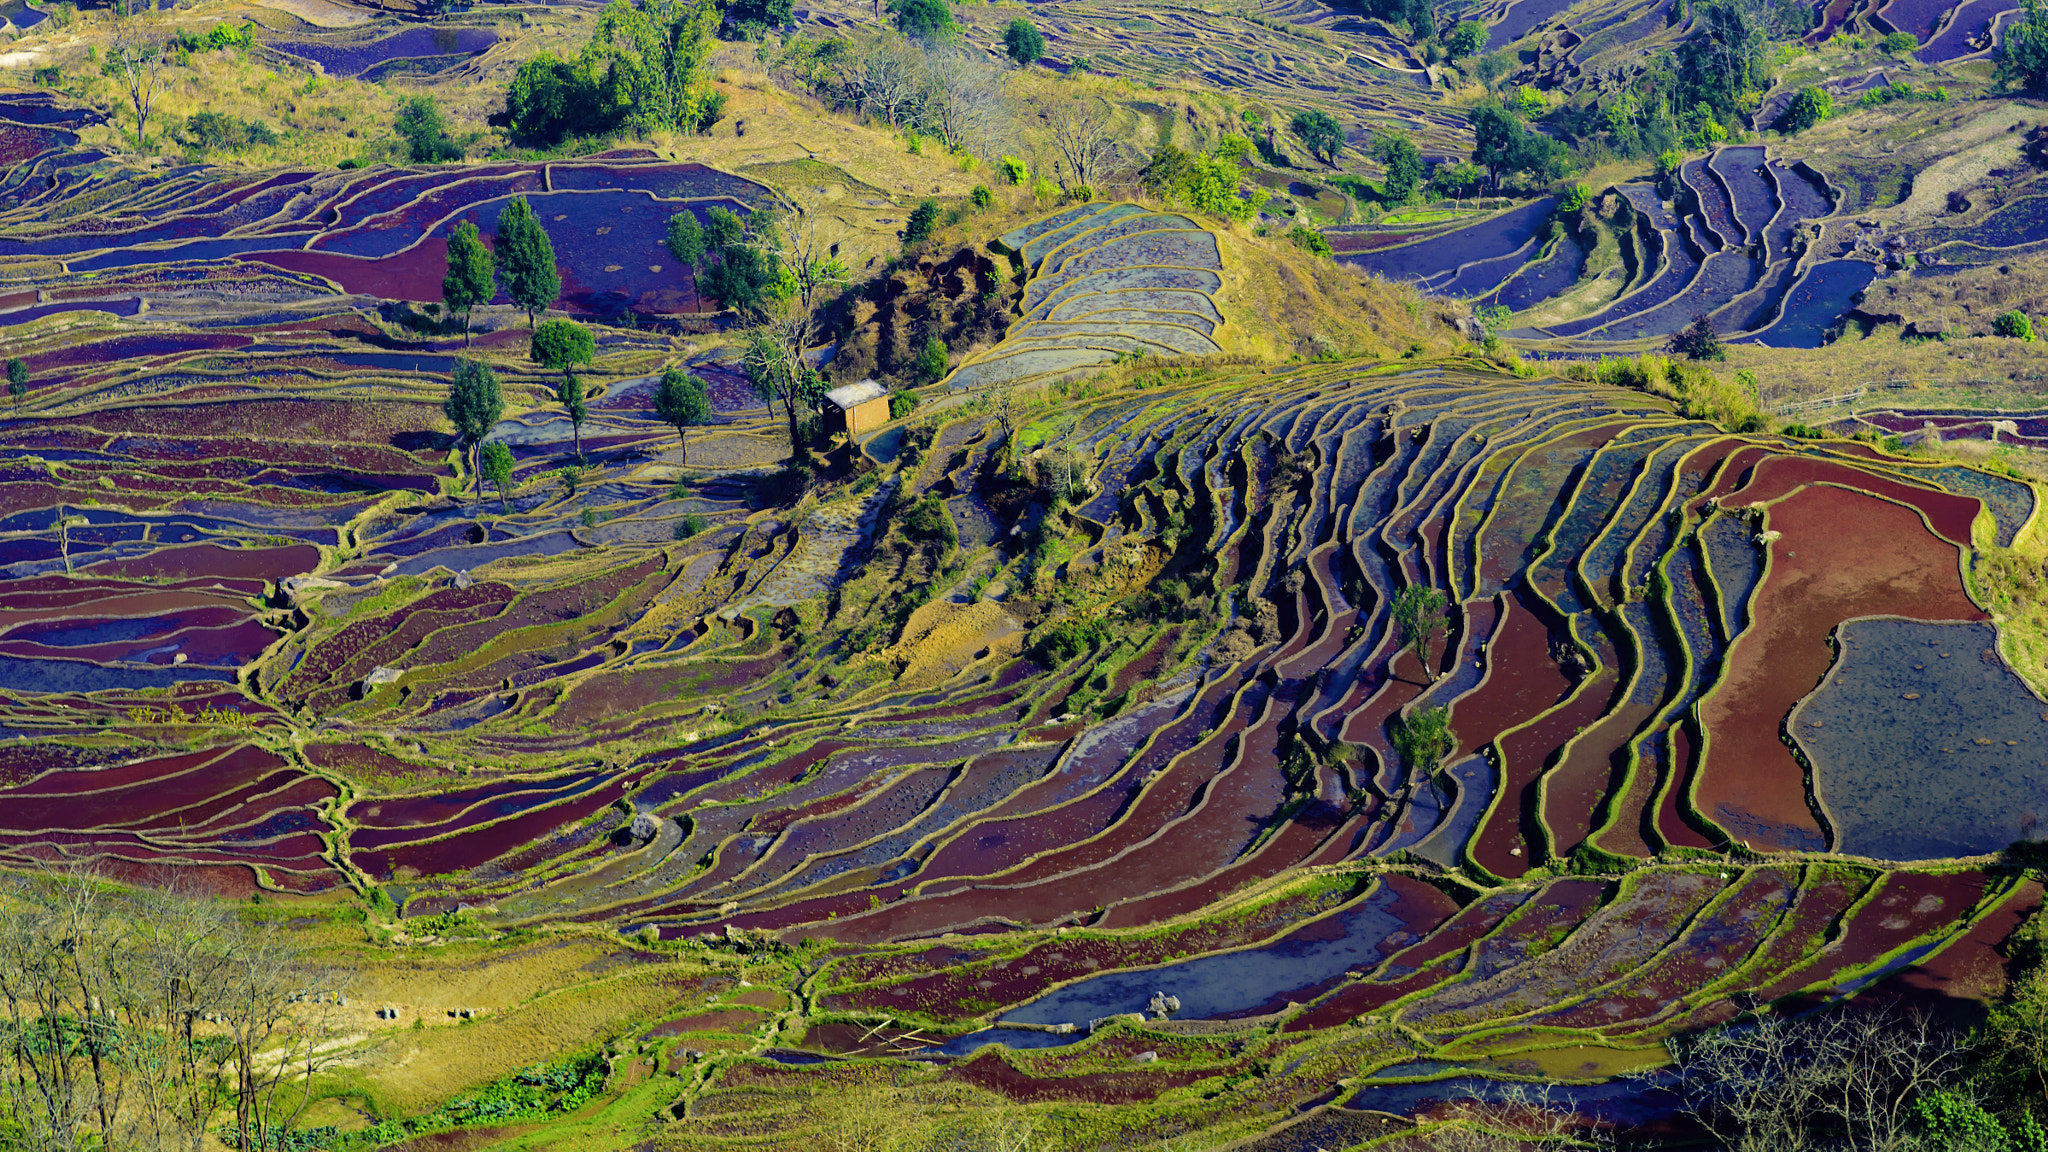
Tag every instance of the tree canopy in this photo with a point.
(1320, 133)
(1811, 106)
(923, 19)
(1402, 161)
(497, 468)
(657, 51)
(562, 345)
(474, 402)
(552, 100)
(472, 274)
(1022, 42)
(2022, 54)
(526, 259)
(1505, 145)
(1467, 39)
(1724, 63)
(682, 400)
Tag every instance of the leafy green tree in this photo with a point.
(428, 138)
(563, 345)
(682, 400)
(2015, 325)
(1725, 62)
(497, 468)
(741, 279)
(723, 228)
(1204, 183)
(1402, 161)
(686, 242)
(1959, 1124)
(526, 260)
(1811, 106)
(1467, 39)
(1461, 179)
(1419, 616)
(1900, 44)
(472, 274)
(1022, 42)
(1497, 136)
(923, 19)
(1423, 738)
(1320, 132)
(2022, 55)
(1504, 145)
(770, 13)
(552, 100)
(474, 405)
(17, 380)
(659, 50)
(918, 228)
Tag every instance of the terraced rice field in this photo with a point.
(391, 687)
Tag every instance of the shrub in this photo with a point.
(901, 404)
(1699, 341)
(930, 364)
(981, 196)
(1467, 39)
(2014, 324)
(1900, 43)
(918, 228)
(689, 526)
(1069, 638)
(1204, 183)
(1077, 194)
(217, 132)
(426, 132)
(1811, 106)
(1014, 171)
(1309, 240)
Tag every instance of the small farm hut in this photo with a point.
(856, 408)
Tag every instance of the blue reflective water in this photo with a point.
(1235, 981)
(1007, 1037)
(1817, 303)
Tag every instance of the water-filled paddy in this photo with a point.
(1924, 744)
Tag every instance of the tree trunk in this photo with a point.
(789, 402)
(683, 437)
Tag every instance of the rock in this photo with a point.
(298, 589)
(1146, 1057)
(382, 675)
(646, 825)
(463, 579)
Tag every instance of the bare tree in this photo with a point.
(963, 99)
(131, 1020)
(279, 1016)
(139, 54)
(1082, 130)
(64, 1089)
(883, 80)
(1766, 1084)
(1521, 1115)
